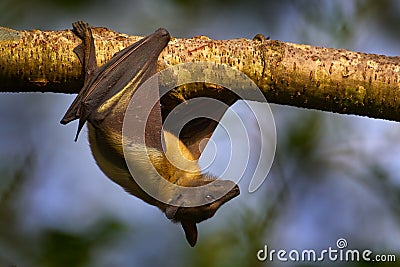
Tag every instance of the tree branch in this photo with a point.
(291, 74)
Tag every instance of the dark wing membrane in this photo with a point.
(87, 56)
(103, 83)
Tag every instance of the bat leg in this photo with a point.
(85, 51)
(81, 29)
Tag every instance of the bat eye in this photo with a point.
(210, 198)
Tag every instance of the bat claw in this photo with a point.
(260, 37)
(80, 28)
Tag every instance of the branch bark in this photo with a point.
(291, 74)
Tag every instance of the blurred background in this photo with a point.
(334, 176)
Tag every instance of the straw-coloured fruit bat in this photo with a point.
(102, 102)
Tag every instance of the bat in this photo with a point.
(103, 101)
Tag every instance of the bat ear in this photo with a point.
(170, 211)
(190, 229)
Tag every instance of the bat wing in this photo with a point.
(86, 54)
(126, 70)
(197, 129)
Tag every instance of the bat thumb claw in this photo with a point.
(80, 126)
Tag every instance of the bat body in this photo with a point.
(102, 103)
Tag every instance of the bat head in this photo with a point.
(182, 211)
